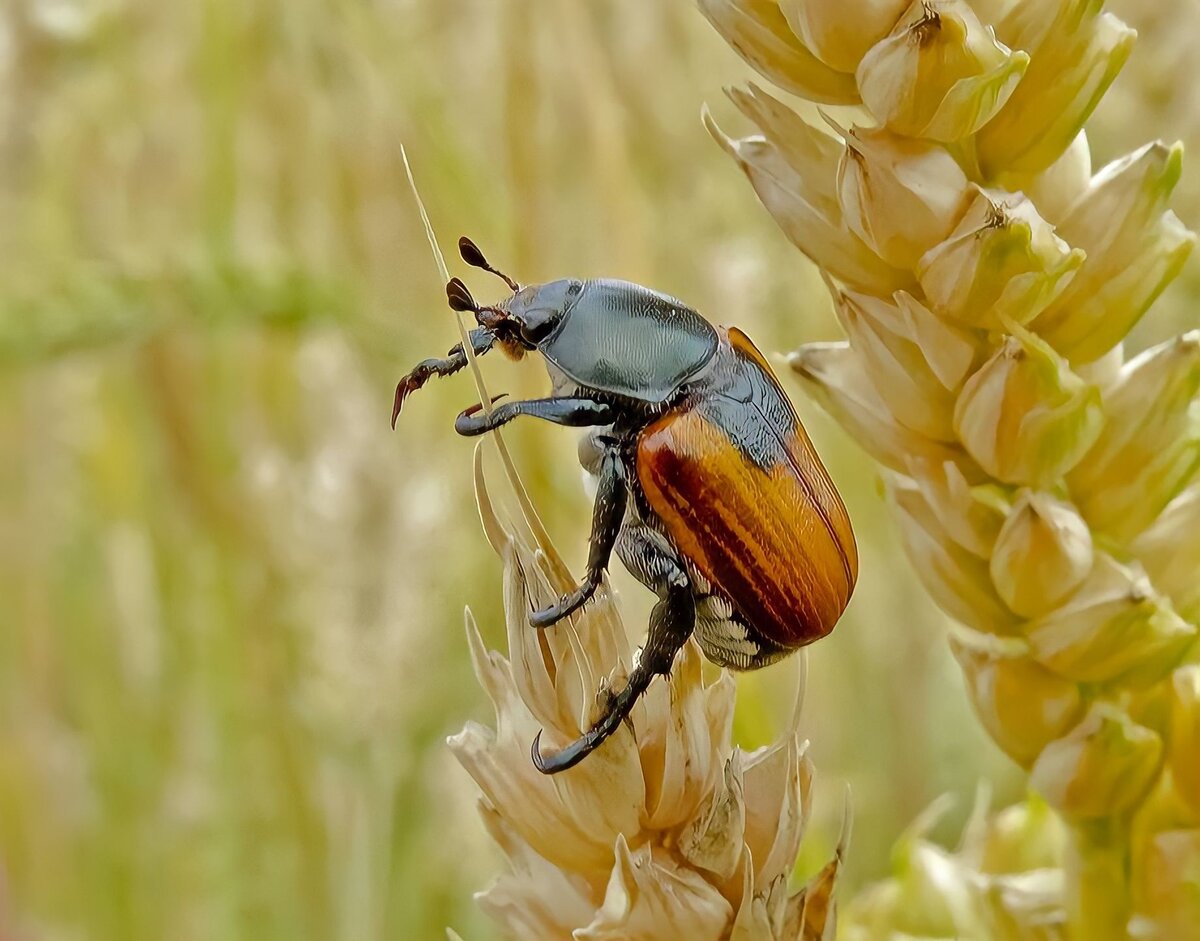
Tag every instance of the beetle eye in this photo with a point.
(536, 325)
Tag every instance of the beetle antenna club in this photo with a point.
(702, 471)
(474, 257)
(460, 297)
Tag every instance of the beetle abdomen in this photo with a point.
(725, 636)
(735, 482)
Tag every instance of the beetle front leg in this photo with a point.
(574, 412)
(671, 624)
(481, 341)
(608, 512)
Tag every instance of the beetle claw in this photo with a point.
(565, 606)
(535, 753)
(564, 758)
(468, 424)
(404, 388)
(545, 617)
(478, 406)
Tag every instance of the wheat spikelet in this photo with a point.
(668, 831)
(1044, 483)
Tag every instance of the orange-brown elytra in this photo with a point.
(707, 486)
(769, 530)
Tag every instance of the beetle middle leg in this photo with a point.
(608, 512)
(572, 411)
(671, 624)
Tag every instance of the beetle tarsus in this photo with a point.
(405, 387)
(470, 422)
(565, 606)
(481, 339)
(608, 515)
(671, 623)
(618, 709)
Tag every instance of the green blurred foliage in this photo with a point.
(230, 599)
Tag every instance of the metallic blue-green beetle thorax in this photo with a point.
(627, 340)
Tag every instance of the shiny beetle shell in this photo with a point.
(623, 339)
(735, 482)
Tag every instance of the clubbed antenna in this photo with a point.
(459, 297)
(474, 257)
(461, 300)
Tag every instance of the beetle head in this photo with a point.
(538, 309)
(517, 324)
(526, 318)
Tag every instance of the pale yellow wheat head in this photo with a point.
(1043, 476)
(667, 831)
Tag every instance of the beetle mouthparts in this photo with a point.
(490, 317)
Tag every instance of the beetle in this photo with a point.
(708, 487)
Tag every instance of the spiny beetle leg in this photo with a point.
(608, 512)
(570, 411)
(619, 707)
(481, 341)
(671, 623)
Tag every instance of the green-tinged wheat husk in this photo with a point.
(1044, 477)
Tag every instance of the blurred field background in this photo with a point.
(230, 598)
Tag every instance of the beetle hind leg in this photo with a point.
(612, 492)
(671, 623)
